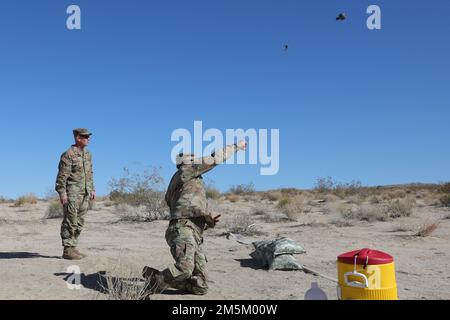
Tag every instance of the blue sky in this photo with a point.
(350, 103)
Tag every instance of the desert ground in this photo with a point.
(326, 225)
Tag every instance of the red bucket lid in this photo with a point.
(366, 256)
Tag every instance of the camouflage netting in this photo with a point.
(277, 254)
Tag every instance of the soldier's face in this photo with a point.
(83, 141)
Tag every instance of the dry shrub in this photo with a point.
(129, 213)
(126, 284)
(426, 229)
(272, 195)
(259, 211)
(140, 190)
(242, 224)
(355, 199)
(54, 210)
(346, 211)
(330, 198)
(445, 188)
(5, 200)
(295, 208)
(374, 200)
(28, 198)
(401, 208)
(242, 188)
(212, 193)
(373, 213)
(445, 200)
(283, 201)
(232, 197)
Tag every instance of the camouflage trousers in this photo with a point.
(73, 222)
(189, 272)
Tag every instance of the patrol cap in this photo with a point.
(81, 132)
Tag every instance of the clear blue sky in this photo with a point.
(350, 103)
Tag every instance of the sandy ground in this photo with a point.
(31, 267)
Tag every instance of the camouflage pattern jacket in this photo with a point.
(186, 194)
(75, 175)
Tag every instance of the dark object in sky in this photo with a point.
(285, 47)
(341, 16)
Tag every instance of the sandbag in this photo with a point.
(277, 254)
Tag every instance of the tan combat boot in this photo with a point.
(154, 280)
(70, 254)
(79, 253)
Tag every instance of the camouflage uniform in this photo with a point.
(186, 198)
(74, 180)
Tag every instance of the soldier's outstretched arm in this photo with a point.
(218, 157)
(64, 170)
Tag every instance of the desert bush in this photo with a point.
(128, 213)
(242, 189)
(54, 210)
(242, 224)
(445, 200)
(374, 200)
(340, 189)
(445, 188)
(354, 199)
(232, 197)
(283, 201)
(29, 198)
(5, 200)
(401, 208)
(295, 208)
(259, 211)
(373, 213)
(272, 195)
(346, 212)
(427, 229)
(324, 185)
(126, 284)
(212, 193)
(140, 190)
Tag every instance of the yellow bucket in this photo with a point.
(366, 275)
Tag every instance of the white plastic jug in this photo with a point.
(315, 293)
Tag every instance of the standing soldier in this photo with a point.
(189, 217)
(75, 187)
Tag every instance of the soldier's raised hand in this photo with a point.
(63, 199)
(242, 145)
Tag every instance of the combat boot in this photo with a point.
(154, 280)
(70, 254)
(79, 253)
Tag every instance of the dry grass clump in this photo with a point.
(445, 200)
(212, 193)
(54, 210)
(232, 198)
(373, 213)
(271, 195)
(139, 190)
(401, 208)
(242, 224)
(242, 189)
(294, 208)
(5, 200)
(29, 198)
(427, 229)
(283, 201)
(368, 213)
(129, 213)
(126, 284)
